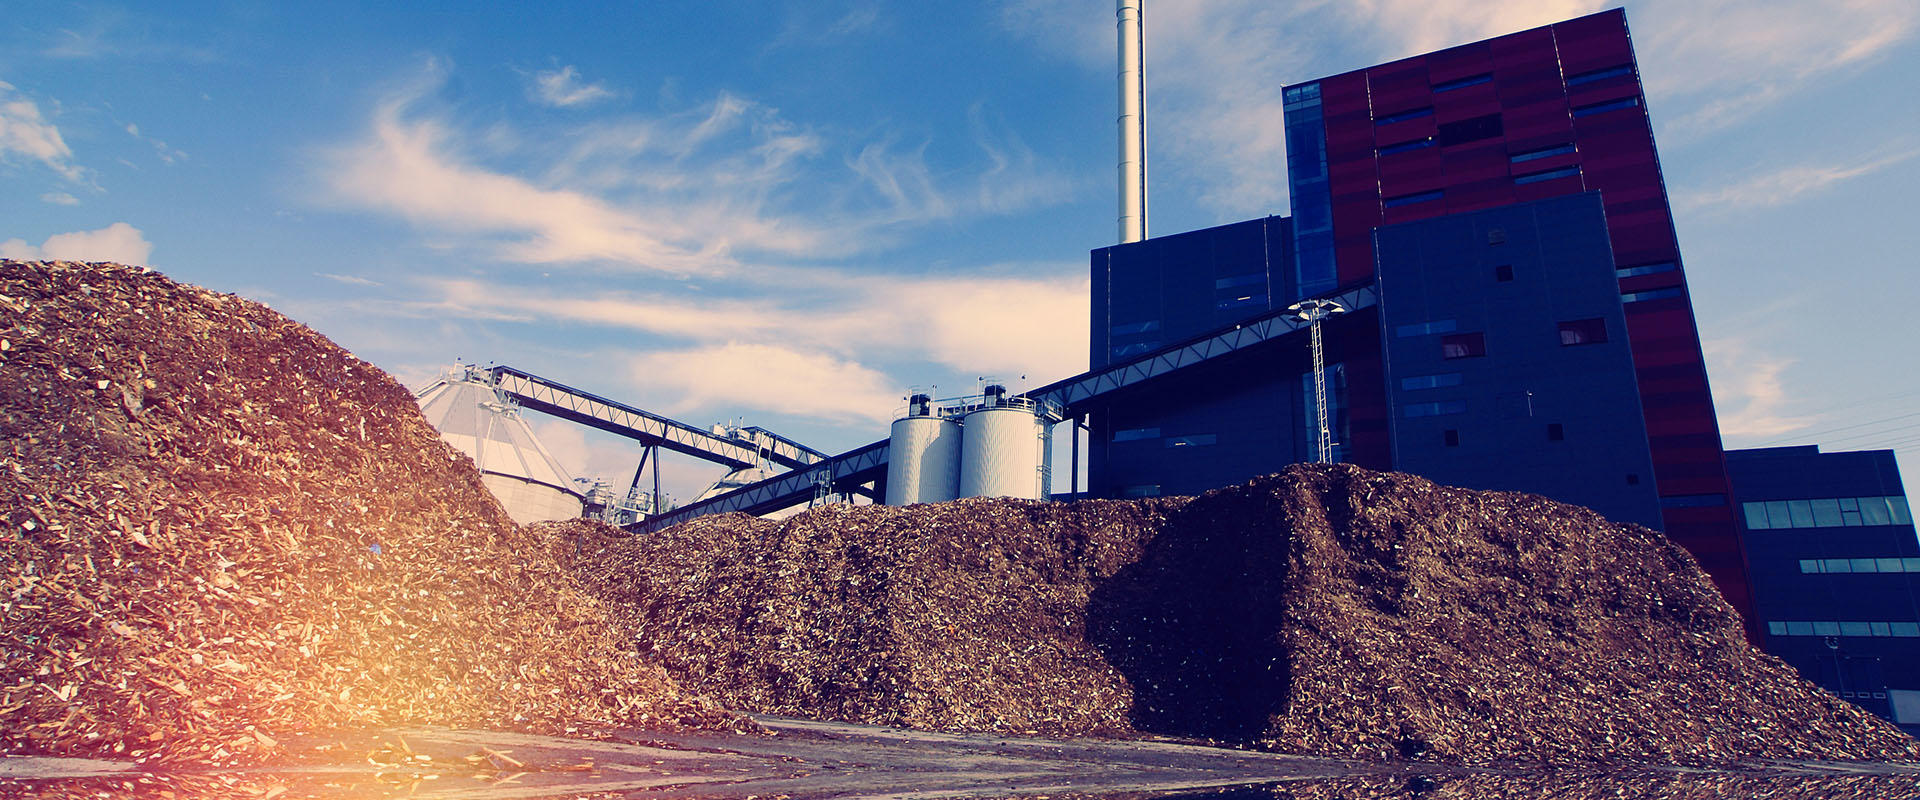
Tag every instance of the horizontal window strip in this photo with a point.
(1417, 144)
(1651, 294)
(1545, 152)
(1404, 116)
(1419, 382)
(1563, 172)
(1848, 566)
(1610, 105)
(1439, 409)
(1410, 199)
(1859, 628)
(1462, 83)
(1827, 512)
(1599, 75)
(1645, 269)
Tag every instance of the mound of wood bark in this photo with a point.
(217, 528)
(1328, 610)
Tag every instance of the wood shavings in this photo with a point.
(191, 491)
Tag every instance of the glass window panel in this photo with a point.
(1799, 629)
(1910, 564)
(1865, 565)
(1810, 565)
(1855, 629)
(1849, 503)
(1909, 629)
(1826, 628)
(1874, 511)
(1777, 628)
(1545, 152)
(1650, 294)
(1801, 512)
(1463, 345)
(1563, 172)
(1889, 565)
(1136, 434)
(1777, 514)
(1849, 519)
(1147, 490)
(1645, 269)
(1756, 516)
(1881, 629)
(1901, 514)
(1838, 565)
(1826, 513)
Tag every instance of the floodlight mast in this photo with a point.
(1311, 312)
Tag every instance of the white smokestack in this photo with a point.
(1133, 125)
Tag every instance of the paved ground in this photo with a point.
(803, 760)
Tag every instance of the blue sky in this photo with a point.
(787, 213)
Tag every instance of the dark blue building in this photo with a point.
(1836, 570)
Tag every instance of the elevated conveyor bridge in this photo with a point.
(1074, 395)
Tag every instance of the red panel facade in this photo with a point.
(1500, 110)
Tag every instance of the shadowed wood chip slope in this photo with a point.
(1325, 609)
(219, 528)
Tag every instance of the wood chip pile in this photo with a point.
(217, 528)
(1327, 610)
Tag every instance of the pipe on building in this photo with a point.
(1133, 123)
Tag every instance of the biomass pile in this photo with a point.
(220, 528)
(1327, 610)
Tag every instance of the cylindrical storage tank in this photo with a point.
(1004, 453)
(923, 459)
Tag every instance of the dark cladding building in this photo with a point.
(1836, 570)
(1533, 330)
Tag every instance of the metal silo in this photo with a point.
(923, 456)
(1006, 448)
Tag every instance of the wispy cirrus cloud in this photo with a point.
(119, 242)
(767, 377)
(24, 132)
(1787, 184)
(563, 88)
(1749, 389)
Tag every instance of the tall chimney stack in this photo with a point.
(1133, 124)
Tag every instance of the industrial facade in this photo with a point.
(1577, 292)
(1836, 571)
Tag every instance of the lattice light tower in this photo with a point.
(1311, 312)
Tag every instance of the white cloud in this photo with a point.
(119, 242)
(1786, 185)
(24, 132)
(562, 88)
(351, 280)
(60, 199)
(766, 376)
(1749, 391)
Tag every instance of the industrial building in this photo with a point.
(1532, 332)
(1836, 570)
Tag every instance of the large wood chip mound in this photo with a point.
(1327, 610)
(220, 529)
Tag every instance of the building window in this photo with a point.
(1651, 294)
(1563, 172)
(1463, 345)
(1583, 331)
(1645, 269)
(1410, 199)
(1403, 116)
(1439, 409)
(1143, 490)
(1832, 512)
(1135, 434)
(1503, 273)
(1195, 440)
(1598, 75)
(1452, 437)
(1610, 105)
(1544, 152)
(1462, 83)
(1424, 328)
(1556, 433)
(1496, 236)
(1419, 382)
(1416, 144)
(1859, 628)
(1472, 129)
(1633, 479)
